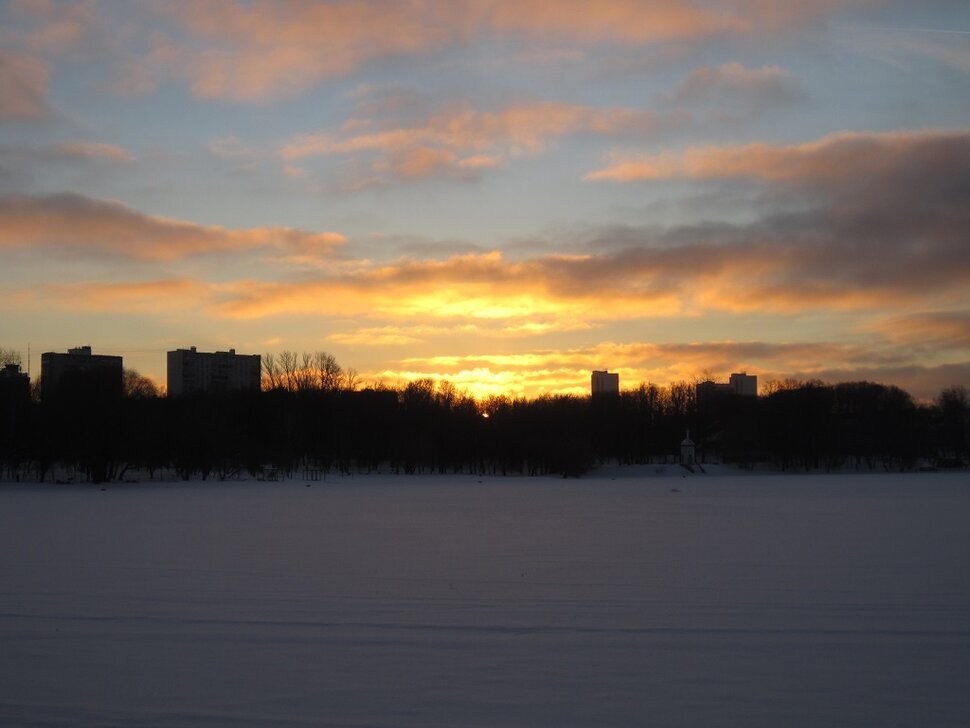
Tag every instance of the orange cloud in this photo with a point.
(719, 355)
(392, 335)
(936, 329)
(399, 335)
(568, 370)
(476, 288)
(85, 226)
(143, 297)
(483, 382)
(509, 299)
(860, 239)
(770, 265)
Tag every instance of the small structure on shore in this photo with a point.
(687, 450)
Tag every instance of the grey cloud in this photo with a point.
(84, 226)
(735, 85)
(855, 215)
(23, 88)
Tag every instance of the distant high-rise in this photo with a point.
(744, 384)
(221, 371)
(79, 373)
(14, 397)
(604, 383)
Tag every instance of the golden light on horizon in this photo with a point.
(362, 178)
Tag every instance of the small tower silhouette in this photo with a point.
(687, 450)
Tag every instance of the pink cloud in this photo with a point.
(46, 26)
(457, 139)
(92, 151)
(88, 227)
(230, 147)
(859, 240)
(625, 21)
(23, 87)
(519, 128)
(261, 50)
(845, 155)
(735, 84)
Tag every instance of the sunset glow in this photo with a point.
(501, 195)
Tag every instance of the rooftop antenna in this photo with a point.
(28, 359)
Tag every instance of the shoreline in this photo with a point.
(599, 474)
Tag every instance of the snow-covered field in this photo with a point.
(838, 600)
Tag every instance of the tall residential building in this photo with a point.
(744, 384)
(79, 373)
(221, 371)
(604, 383)
(14, 398)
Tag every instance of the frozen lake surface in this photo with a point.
(442, 601)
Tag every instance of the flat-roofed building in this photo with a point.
(190, 370)
(744, 384)
(14, 398)
(604, 383)
(80, 373)
(15, 380)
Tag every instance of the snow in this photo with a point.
(621, 599)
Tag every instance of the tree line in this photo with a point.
(312, 415)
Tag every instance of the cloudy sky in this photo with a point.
(503, 193)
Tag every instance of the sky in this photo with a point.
(502, 194)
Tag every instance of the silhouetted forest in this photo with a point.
(323, 423)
